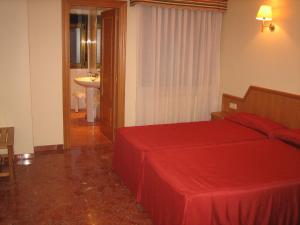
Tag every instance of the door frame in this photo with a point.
(119, 84)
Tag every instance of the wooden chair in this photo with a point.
(7, 142)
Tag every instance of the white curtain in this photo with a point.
(177, 64)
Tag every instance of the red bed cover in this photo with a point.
(133, 143)
(254, 183)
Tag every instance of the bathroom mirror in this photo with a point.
(78, 41)
(85, 39)
(98, 40)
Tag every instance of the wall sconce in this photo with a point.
(265, 14)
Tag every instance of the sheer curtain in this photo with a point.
(177, 65)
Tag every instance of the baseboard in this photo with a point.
(24, 156)
(28, 158)
(24, 159)
(48, 148)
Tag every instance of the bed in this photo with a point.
(132, 144)
(173, 171)
(253, 183)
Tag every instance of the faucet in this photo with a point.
(93, 76)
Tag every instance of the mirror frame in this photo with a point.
(83, 45)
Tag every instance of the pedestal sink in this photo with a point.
(91, 84)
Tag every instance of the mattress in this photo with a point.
(132, 144)
(253, 183)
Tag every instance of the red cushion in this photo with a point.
(288, 135)
(255, 122)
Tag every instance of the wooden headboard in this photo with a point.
(278, 106)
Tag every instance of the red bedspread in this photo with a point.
(254, 183)
(133, 143)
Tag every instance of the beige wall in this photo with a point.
(15, 102)
(46, 70)
(40, 80)
(45, 36)
(130, 86)
(250, 57)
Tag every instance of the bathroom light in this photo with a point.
(88, 42)
(265, 14)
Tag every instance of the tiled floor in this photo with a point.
(85, 134)
(76, 187)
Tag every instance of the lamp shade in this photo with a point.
(264, 13)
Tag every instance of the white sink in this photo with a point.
(88, 81)
(91, 84)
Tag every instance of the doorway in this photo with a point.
(98, 31)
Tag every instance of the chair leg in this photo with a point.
(11, 161)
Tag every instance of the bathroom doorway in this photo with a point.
(93, 71)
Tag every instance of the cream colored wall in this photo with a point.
(130, 85)
(15, 102)
(250, 57)
(45, 35)
(46, 70)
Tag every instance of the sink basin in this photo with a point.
(88, 82)
(91, 84)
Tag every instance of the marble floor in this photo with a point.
(86, 134)
(75, 187)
